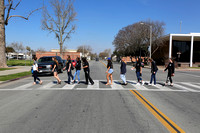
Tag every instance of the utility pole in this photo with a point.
(180, 26)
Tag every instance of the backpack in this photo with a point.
(72, 66)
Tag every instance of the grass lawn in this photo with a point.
(19, 62)
(196, 67)
(14, 76)
(3, 69)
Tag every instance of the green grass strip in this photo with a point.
(14, 76)
(3, 69)
(19, 62)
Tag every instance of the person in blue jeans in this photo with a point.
(138, 67)
(78, 70)
(154, 70)
(123, 71)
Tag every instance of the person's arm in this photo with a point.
(54, 67)
(173, 68)
(166, 68)
(141, 69)
(69, 66)
(108, 69)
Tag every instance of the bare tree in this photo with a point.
(105, 53)
(41, 50)
(5, 8)
(61, 21)
(85, 49)
(18, 47)
(134, 40)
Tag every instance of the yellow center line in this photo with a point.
(166, 121)
(103, 63)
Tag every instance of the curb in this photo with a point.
(4, 82)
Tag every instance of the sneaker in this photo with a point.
(78, 82)
(171, 85)
(150, 84)
(154, 85)
(138, 83)
(142, 82)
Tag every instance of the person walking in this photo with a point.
(109, 72)
(170, 68)
(55, 70)
(154, 70)
(78, 70)
(138, 67)
(35, 71)
(68, 67)
(87, 71)
(123, 71)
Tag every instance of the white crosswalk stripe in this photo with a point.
(191, 85)
(183, 87)
(24, 86)
(99, 85)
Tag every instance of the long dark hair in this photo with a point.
(84, 59)
(54, 58)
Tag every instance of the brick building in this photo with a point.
(55, 52)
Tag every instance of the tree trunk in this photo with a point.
(61, 49)
(2, 36)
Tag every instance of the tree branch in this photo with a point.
(26, 18)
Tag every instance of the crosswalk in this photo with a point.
(100, 85)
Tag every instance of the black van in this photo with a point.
(45, 64)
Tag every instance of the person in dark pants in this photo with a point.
(35, 71)
(123, 71)
(138, 67)
(78, 70)
(69, 69)
(170, 68)
(87, 71)
(154, 70)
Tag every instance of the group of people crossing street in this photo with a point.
(109, 72)
(138, 70)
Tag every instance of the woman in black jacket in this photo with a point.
(170, 68)
(87, 71)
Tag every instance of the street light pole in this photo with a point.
(150, 26)
(150, 39)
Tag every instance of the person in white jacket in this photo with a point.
(35, 71)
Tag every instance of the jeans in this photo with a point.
(153, 76)
(78, 74)
(69, 76)
(139, 78)
(35, 76)
(123, 77)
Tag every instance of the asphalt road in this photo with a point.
(51, 108)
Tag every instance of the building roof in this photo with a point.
(66, 50)
(183, 37)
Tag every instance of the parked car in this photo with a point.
(97, 59)
(45, 64)
(64, 62)
(74, 63)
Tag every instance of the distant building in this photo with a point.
(183, 48)
(56, 52)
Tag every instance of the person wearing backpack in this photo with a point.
(35, 71)
(154, 70)
(170, 68)
(69, 67)
(78, 70)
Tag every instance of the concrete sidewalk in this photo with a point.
(18, 69)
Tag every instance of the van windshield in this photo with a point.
(45, 59)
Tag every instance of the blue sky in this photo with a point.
(100, 20)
